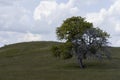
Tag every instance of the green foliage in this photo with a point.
(56, 50)
(82, 35)
(66, 51)
(71, 27)
(81, 39)
(67, 31)
(62, 50)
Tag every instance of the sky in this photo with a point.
(36, 20)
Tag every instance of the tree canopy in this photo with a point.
(71, 27)
(81, 39)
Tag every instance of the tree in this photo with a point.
(81, 39)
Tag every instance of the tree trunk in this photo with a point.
(81, 63)
(78, 55)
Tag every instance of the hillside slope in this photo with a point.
(33, 61)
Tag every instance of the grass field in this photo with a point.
(33, 61)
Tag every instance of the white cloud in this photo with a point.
(51, 10)
(16, 17)
(108, 20)
(44, 9)
(6, 2)
(31, 37)
(7, 37)
(49, 14)
(117, 28)
(17, 25)
(97, 18)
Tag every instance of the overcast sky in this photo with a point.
(36, 20)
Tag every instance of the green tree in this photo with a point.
(81, 39)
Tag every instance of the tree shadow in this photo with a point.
(104, 65)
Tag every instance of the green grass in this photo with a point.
(33, 61)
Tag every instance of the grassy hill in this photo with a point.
(33, 61)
